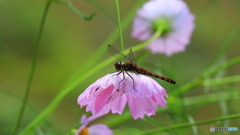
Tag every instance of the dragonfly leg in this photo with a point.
(123, 77)
(133, 81)
(121, 80)
(119, 72)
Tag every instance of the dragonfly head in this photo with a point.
(118, 65)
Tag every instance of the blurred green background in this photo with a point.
(69, 40)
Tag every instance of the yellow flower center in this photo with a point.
(84, 131)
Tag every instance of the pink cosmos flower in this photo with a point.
(113, 91)
(172, 17)
(97, 129)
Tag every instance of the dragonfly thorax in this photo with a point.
(118, 65)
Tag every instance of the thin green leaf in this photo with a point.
(79, 13)
(101, 8)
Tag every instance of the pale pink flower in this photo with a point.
(113, 91)
(96, 129)
(175, 20)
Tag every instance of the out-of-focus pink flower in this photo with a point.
(172, 17)
(113, 91)
(97, 129)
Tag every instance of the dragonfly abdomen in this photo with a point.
(145, 72)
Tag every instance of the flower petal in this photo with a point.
(139, 107)
(101, 100)
(142, 29)
(99, 129)
(141, 92)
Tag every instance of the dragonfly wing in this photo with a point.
(115, 95)
(101, 90)
(109, 91)
(131, 55)
(117, 54)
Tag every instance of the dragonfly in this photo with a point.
(129, 66)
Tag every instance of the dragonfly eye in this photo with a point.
(119, 62)
(118, 65)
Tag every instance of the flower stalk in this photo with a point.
(33, 67)
(119, 26)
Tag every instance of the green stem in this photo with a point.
(29, 83)
(75, 83)
(144, 44)
(119, 25)
(183, 125)
(219, 81)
